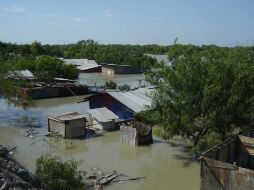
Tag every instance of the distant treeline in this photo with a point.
(90, 49)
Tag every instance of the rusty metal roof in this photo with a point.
(67, 116)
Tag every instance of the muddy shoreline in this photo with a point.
(12, 174)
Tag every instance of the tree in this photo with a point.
(207, 94)
(52, 173)
(55, 67)
(37, 49)
(110, 85)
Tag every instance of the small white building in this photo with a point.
(101, 118)
(68, 125)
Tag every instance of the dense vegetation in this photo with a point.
(206, 95)
(89, 49)
(55, 67)
(52, 173)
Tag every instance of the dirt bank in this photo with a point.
(12, 174)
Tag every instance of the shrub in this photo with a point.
(110, 85)
(52, 173)
(124, 87)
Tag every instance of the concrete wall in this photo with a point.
(128, 135)
(57, 127)
(68, 129)
(75, 128)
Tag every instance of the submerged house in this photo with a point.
(121, 69)
(123, 104)
(21, 74)
(136, 134)
(102, 118)
(53, 91)
(229, 165)
(84, 65)
(68, 125)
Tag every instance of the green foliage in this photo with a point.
(25, 62)
(55, 67)
(117, 54)
(90, 49)
(37, 49)
(110, 85)
(124, 87)
(52, 173)
(208, 90)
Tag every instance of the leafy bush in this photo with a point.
(124, 87)
(52, 173)
(110, 85)
(55, 67)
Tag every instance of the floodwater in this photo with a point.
(134, 80)
(162, 163)
(159, 163)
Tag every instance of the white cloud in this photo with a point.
(108, 13)
(77, 19)
(14, 8)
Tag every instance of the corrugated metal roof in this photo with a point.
(67, 116)
(24, 74)
(137, 100)
(82, 64)
(102, 114)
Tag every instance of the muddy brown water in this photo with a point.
(159, 163)
(134, 80)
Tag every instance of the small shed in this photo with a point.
(68, 125)
(102, 118)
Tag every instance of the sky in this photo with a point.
(219, 22)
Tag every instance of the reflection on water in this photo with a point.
(134, 80)
(158, 162)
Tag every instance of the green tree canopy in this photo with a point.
(52, 173)
(207, 94)
(55, 67)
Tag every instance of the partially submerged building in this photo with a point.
(53, 91)
(136, 134)
(21, 74)
(84, 65)
(229, 165)
(101, 118)
(68, 125)
(121, 69)
(124, 104)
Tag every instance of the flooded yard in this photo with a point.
(134, 80)
(159, 163)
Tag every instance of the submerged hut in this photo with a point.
(137, 134)
(102, 118)
(229, 165)
(68, 125)
(121, 69)
(124, 104)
